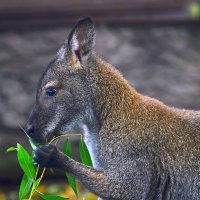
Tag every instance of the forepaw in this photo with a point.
(47, 156)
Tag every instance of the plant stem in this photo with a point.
(33, 184)
(66, 135)
(34, 189)
(41, 177)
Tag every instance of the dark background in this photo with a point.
(155, 44)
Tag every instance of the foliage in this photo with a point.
(68, 152)
(31, 178)
(195, 10)
(84, 153)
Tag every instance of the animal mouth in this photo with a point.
(48, 138)
(39, 141)
(34, 144)
(51, 136)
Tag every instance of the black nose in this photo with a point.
(30, 130)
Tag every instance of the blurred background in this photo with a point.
(154, 43)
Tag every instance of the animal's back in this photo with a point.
(166, 141)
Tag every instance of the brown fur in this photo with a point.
(141, 148)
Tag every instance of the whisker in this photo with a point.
(22, 128)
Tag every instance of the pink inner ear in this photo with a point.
(81, 38)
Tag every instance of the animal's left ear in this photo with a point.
(81, 39)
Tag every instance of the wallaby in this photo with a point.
(141, 148)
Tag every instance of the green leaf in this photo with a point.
(72, 183)
(26, 162)
(68, 151)
(68, 148)
(11, 149)
(51, 197)
(33, 145)
(25, 187)
(36, 183)
(84, 154)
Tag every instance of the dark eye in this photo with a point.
(50, 92)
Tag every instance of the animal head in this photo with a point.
(63, 93)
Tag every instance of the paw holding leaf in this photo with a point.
(48, 156)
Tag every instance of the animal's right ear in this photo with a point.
(81, 39)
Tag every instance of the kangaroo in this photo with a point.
(141, 148)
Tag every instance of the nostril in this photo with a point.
(30, 130)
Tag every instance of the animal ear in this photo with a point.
(81, 38)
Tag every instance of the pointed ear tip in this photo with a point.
(85, 19)
(82, 21)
